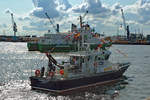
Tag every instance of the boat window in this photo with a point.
(88, 58)
(95, 57)
(99, 58)
(72, 60)
(82, 59)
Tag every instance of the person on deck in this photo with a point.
(51, 68)
(42, 71)
(50, 62)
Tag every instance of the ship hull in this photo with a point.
(61, 47)
(63, 86)
(56, 48)
(32, 46)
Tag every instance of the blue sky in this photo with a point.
(106, 16)
(20, 6)
(16, 6)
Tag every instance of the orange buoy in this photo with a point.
(61, 72)
(37, 72)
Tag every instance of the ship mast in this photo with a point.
(81, 19)
(80, 42)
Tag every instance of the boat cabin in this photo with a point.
(87, 62)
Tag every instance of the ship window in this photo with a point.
(99, 58)
(95, 57)
(82, 59)
(88, 58)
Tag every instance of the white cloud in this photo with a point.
(98, 13)
(7, 11)
(93, 6)
(62, 5)
(43, 6)
(103, 17)
(3, 26)
(54, 8)
(139, 11)
(24, 18)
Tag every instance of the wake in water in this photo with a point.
(21, 90)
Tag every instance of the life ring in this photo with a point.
(37, 72)
(51, 74)
(61, 71)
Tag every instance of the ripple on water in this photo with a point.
(21, 90)
(16, 64)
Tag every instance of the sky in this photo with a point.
(104, 15)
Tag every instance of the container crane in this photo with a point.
(14, 25)
(56, 29)
(126, 27)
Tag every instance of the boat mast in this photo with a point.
(80, 41)
(81, 19)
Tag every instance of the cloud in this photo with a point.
(3, 26)
(64, 12)
(115, 9)
(144, 12)
(7, 11)
(54, 8)
(25, 18)
(28, 28)
(39, 25)
(93, 6)
(63, 5)
(103, 17)
(139, 11)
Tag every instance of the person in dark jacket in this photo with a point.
(42, 71)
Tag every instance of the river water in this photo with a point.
(16, 63)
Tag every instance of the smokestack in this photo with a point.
(57, 28)
(73, 27)
(128, 32)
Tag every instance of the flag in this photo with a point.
(102, 40)
(100, 45)
(76, 35)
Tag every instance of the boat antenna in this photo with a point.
(81, 19)
(56, 29)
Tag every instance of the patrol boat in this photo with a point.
(83, 69)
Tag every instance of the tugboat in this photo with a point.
(85, 68)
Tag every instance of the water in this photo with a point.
(16, 64)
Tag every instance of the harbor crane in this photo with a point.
(56, 29)
(126, 27)
(14, 25)
(81, 19)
